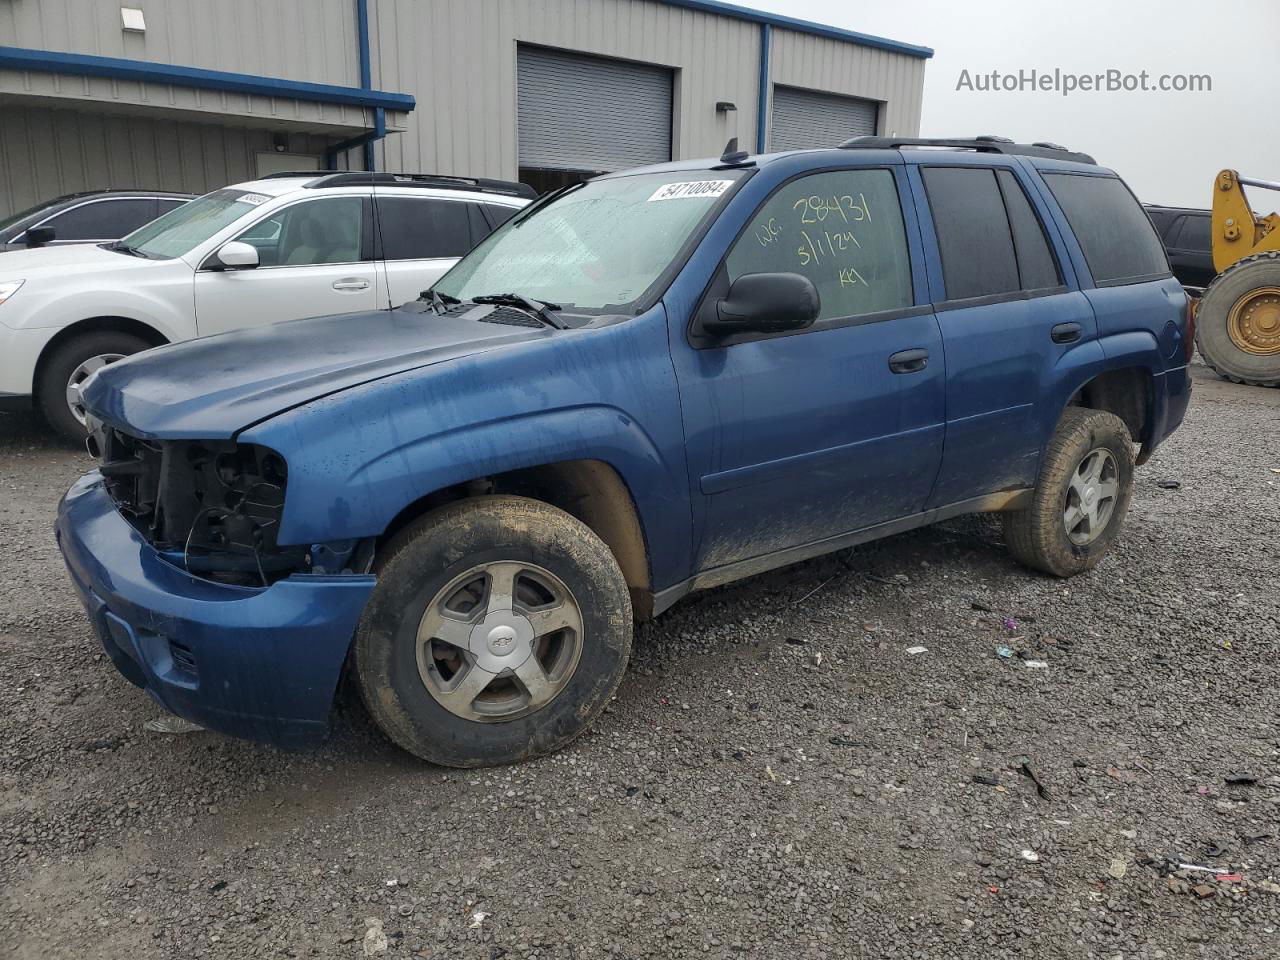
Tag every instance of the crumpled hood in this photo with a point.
(39, 263)
(213, 387)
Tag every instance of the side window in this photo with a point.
(498, 214)
(974, 237)
(104, 219)
(314, 232)
(414, 228)
(1194, 234)
(167, 205)
(843, 230)
(1037, 270)
(1113, 230)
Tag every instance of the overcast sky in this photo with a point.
(1167, 145)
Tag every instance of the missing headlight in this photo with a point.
(213, 507)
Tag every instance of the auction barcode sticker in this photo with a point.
(691, 189)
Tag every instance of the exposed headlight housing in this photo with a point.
(8, 288)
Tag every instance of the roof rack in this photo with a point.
(983, 144)
(434, 180)
(287, 174)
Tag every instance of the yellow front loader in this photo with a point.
(1238, 319)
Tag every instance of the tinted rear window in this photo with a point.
(1037, 270)
(423, 228)
(973, 232)
(1119, 243)
(1194, 234)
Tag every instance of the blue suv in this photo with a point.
(651, 383)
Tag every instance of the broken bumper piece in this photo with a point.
(259, 663)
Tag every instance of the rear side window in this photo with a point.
(424, 228)
(1193, 234)
(1037, 270)
(103, 219)
(973, 232)
(843, 230)
(1119, 243)
(498, 214)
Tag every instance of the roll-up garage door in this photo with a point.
(805, 119)
(591, 114)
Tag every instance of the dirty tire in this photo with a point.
(1037, 536)
(429, 554)
(51, 391)
(1216, 347)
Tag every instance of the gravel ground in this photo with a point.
(778, 777)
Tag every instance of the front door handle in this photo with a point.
(909, 361)
(350, 284)
(1065, 333)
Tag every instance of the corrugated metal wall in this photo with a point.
(45, 153)
(459, 58)
(819, 63)
(311, 40)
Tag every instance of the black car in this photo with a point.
(86, 217)
(1187, 238)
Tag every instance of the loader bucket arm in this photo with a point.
(1237, 232)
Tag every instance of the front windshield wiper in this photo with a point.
(541, 309)
(439, 301)
(119, 246)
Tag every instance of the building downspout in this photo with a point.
(365, 140)
(762, 118)
(366, 81)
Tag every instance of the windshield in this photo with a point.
(9, 221)
(597, 248)
(184, 228)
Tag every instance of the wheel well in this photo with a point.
(590, 490)
(94, 325)
(1125, 392)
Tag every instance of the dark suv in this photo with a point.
(1185, 233)
(654, 382)
(94, 217)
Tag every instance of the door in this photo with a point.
(796, 438)
(1007, 318)
(419, 239)
(579, 115)
(805, 119)
(315, 258)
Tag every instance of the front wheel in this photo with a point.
(1081, 498)
(70, 365)
(498, 630)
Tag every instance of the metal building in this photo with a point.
(190, 95)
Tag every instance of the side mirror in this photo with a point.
(39, 236)
(765, 303)
(237, 256)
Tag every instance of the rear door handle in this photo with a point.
(909, 361)
(351, 283)
(1065, 333)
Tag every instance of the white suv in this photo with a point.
(279, 248)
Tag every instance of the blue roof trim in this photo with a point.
(802, 26)
(144, 71)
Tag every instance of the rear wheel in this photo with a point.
(1081, 498)
(70, 366)
(1238, 321)
(499, 629)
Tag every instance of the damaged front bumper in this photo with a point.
(255, 662)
